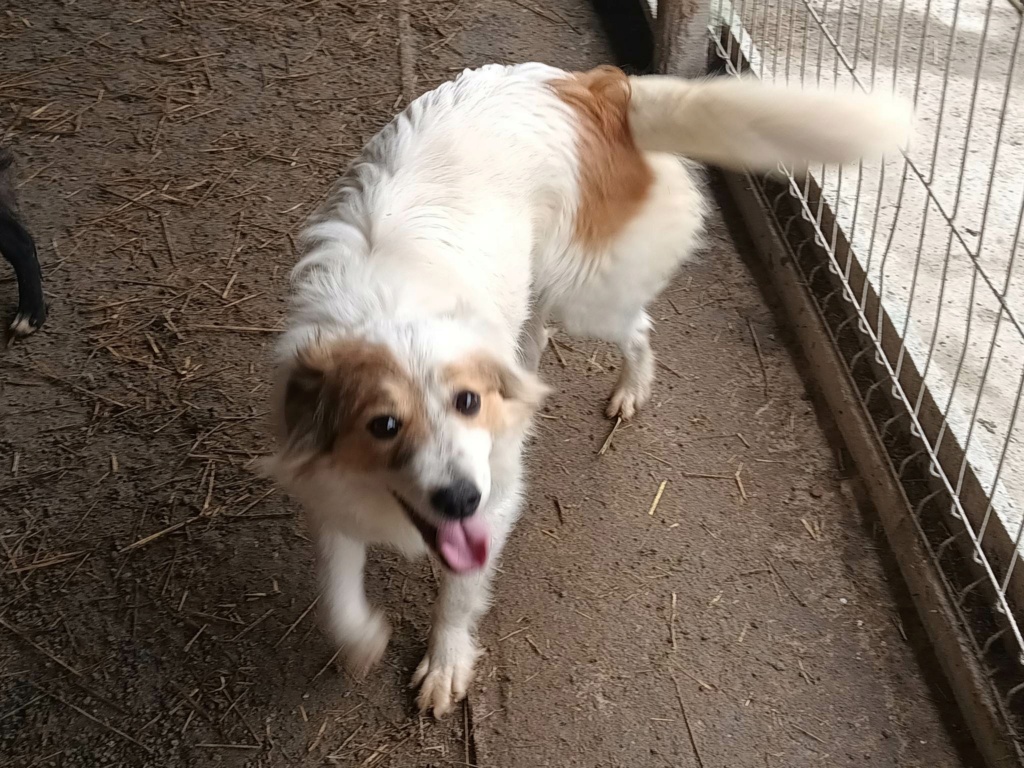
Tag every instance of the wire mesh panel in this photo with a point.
(923, 249)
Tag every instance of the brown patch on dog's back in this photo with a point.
(333, 392)
(614, 176)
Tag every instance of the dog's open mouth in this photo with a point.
(461, 545)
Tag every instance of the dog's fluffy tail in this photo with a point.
(741, 123)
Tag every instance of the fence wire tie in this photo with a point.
(945, 545)
(991, 641)
(968, 589)
(1017, 688)
(906, 463)
(870, 393)
(893, 420)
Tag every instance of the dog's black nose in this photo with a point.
(458, 500)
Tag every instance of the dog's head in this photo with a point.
(421, 423)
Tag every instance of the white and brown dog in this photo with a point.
(512, 197)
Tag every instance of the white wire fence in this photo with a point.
(923, 248)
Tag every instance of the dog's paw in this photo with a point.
(626, 400)
(444, 675)
(362, 649)
(25, 324)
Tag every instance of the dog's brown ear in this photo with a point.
(310, 408)
(327, 386)
(522, 391)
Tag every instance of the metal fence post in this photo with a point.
(680, 37)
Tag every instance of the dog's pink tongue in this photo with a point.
(463, 543)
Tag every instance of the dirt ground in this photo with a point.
(156, 599)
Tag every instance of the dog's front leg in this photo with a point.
(361, 631)
(446, 671)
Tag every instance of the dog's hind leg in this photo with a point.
(360, 630)
(18, 247)
(637, 376)
(610, 302)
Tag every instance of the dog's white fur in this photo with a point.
(455, 231)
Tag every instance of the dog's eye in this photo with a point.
(384, 427)
(467, 403)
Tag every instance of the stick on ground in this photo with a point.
(657, 498)
(608, 440)
(13, 630)
(94, 719)
(686, 721)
